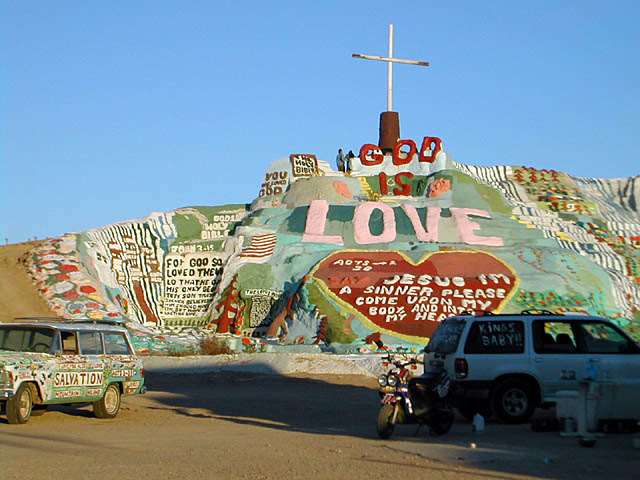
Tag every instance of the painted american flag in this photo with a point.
(260, 248)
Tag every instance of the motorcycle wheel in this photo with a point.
(441, 423)
(385, 421)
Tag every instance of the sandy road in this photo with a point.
(262, 427)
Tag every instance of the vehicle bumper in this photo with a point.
(6, 394)
(472, 389)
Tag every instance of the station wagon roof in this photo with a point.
(83, 325)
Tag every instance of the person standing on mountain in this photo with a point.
(348, 163)
(340, 160)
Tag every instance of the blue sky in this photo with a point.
(112, 110)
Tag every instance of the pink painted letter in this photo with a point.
(316, 222)
(361, 218)
(466, 227)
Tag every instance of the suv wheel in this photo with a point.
(109, 405)
(20, 405)
(514, 400)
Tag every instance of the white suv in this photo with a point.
(510, 364)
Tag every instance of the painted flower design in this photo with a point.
(438, 187)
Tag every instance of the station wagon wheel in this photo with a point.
(514, 400)
(20, 405)
(109, 405)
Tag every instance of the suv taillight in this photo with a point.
(461, 368)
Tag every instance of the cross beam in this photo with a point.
(390, 61)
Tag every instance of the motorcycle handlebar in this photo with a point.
(402, 362)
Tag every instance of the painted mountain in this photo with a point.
(384, 250)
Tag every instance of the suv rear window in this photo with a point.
(495, 336)
(446, 337)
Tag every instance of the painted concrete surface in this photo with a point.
(268, 363)
(331, 258)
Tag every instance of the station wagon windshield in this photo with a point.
(27, 339)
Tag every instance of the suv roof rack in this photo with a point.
(530, 311)
(538, 311)
(102, 321)
(39, 319)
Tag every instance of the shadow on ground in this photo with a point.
(273, 401)
(348, 406)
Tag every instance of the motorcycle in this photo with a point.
(405, 399)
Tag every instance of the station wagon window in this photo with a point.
(554, 337)
(69, 343)
(495, 337)
(27, 339)
(598, 337)
(91, 343)
(116, 344)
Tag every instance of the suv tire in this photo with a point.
(513, 400)
(20, 405)
(109, 405)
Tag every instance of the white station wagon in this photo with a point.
(51, 362)
(510, 364)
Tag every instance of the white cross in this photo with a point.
(390, 61)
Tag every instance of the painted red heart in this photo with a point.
(391, 293)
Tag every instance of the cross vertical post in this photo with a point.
(390, 120)
(390, 72)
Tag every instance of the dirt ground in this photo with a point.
(18, 295)
(242, 426)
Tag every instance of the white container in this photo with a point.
(567, 404)
(478, 423)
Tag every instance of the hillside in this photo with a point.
(18, 298)
(324, 258)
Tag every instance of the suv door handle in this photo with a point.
(538, 359)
